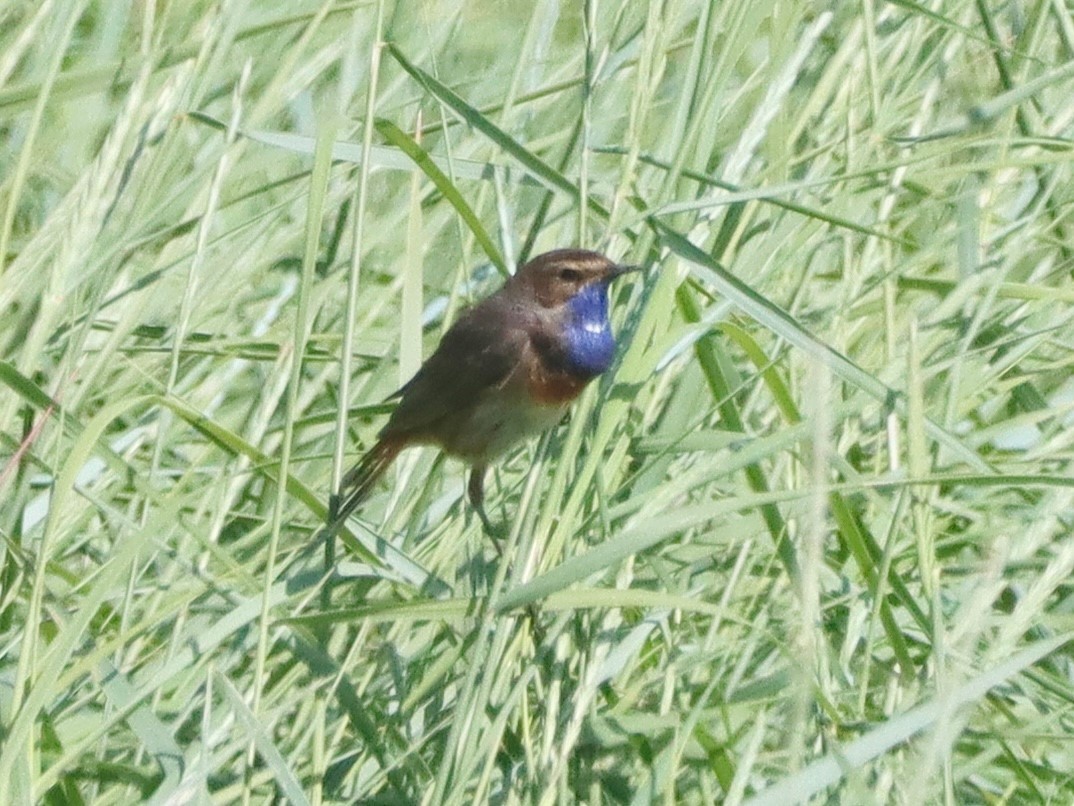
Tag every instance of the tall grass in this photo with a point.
(811, 539)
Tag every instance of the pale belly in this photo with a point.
(497, 423)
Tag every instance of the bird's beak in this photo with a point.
(619, 270)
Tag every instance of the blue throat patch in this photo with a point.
(589, 341)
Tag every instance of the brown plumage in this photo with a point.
(507, 369)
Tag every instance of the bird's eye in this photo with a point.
(570, 275)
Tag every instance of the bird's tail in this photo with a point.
(359, 481)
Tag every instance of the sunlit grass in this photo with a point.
(811, 539)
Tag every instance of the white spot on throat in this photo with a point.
(594, 326)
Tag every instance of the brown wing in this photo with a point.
(477, 353)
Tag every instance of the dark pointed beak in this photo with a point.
(617, 271)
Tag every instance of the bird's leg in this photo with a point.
(476, 491)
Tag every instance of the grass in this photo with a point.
(810, 541)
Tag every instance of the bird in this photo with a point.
(507, 369)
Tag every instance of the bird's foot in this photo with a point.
(497, 531)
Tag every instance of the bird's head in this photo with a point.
(570, 286)
(555, 278)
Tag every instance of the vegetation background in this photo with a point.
(810, 541)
